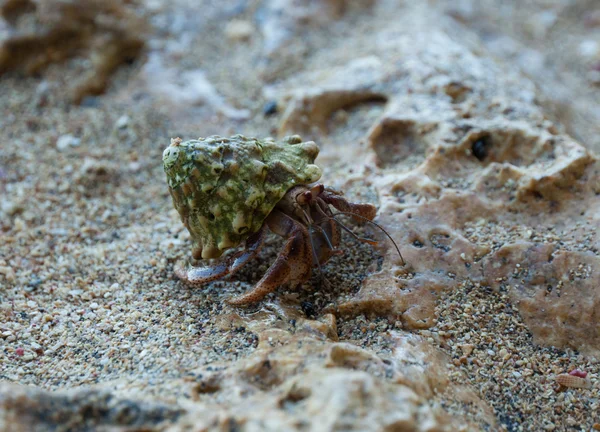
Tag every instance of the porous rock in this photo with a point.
(286, 27)
(27, 409)
(454, 151)
(295, 380)
(299, 382)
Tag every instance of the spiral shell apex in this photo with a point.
(224, 188)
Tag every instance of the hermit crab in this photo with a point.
(229, 191)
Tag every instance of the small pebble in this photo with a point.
(480, 148)
(239, 30)
(67, 141)
(467, 349)
(122, 122)
(270, 108)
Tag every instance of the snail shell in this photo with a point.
(572, 381)
(224, 188)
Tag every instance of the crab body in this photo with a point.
(228, 191)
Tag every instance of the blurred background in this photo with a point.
(211, 66)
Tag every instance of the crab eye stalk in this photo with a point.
(304, 198)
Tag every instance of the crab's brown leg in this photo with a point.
(322, 209)
(325, 244)
(202, 274)
(367, 211)
(293, 264)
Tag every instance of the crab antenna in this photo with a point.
(322, 277)
(326, 237)
(312, 248)
(311, 225)
(353, 234)
(374, 224)
(348, 230)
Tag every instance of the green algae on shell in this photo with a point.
(224, 188)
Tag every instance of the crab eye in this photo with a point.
(304, 197)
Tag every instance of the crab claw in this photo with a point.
(198, 275)
(367, 211)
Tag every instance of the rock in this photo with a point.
(541, 23)
(25, 408)
(66, 141)
(462, 145)
(96, 177)
(39, 33)
(239, 30)
(556, 292)
(323, 386)
(286, 25)
(8, 273)
(184, 89)
(123, 122)
(293, 381)
(590, 49)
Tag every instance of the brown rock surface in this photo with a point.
(495, 209)
(299, 382)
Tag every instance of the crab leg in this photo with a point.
(339, 202)
(293, 264)
(203, 274)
